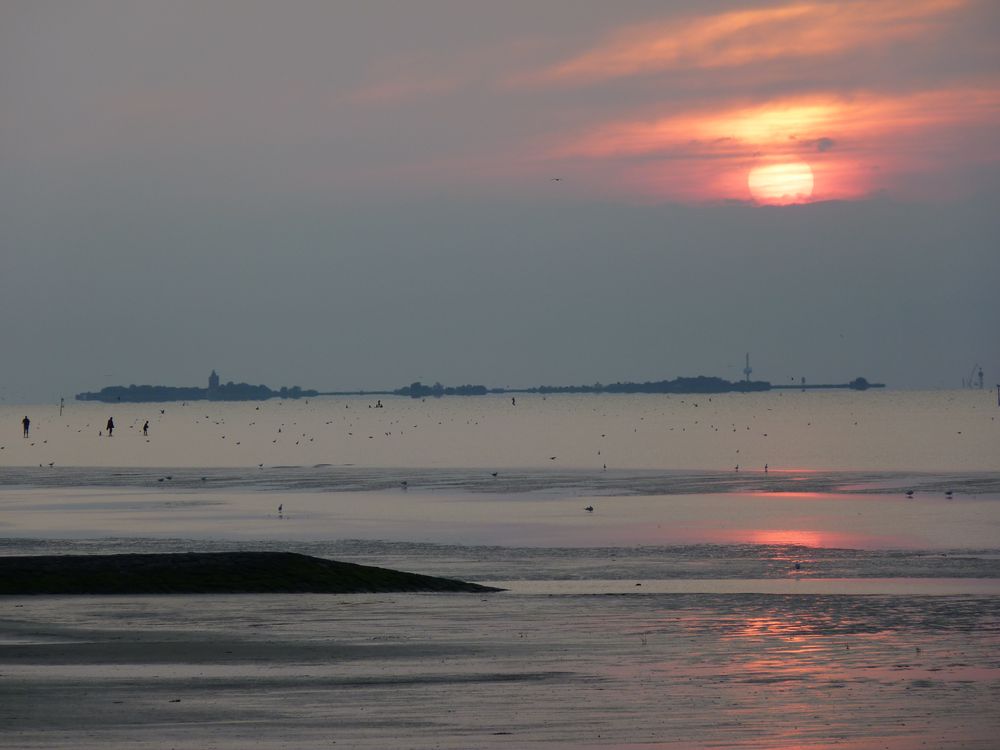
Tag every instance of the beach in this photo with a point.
(457, 671)
(667, 601)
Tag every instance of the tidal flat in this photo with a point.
(842, 589)
(503, 670)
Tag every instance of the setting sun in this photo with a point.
(781, 184)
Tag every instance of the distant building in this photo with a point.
(213, 382)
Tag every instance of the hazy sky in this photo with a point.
(360, 194)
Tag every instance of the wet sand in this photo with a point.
(815, 605)
(503, 670)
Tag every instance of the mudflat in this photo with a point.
(841, 589)
(498, 671)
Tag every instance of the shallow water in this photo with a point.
(877, 430)
(812, 605)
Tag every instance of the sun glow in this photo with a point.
(781, 184)
(851, 146)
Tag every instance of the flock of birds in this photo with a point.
(352, 422)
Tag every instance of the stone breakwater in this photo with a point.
(209, 573)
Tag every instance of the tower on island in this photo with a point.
(747, 369)
(213, 382)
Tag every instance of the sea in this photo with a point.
(828, 559)
(718, 486)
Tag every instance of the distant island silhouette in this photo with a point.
(245, 392)
(216, 391)
(697, 384)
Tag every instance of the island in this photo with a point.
(696, 384)
(209, 573)
(246, 392)
(216, 391)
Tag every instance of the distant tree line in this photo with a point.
(697, 384)
(165, 393)
(245, 392)
(419, 390)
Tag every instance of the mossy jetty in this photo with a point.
(209, 573)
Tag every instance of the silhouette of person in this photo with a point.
(26, 423)
(111, 426)
(145, 428)
(513, 400)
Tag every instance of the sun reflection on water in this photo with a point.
(787, 537)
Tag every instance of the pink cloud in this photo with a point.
(743, 37)
(855, 144)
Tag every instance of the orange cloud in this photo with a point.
(813, 122)
(749, 36)
(853, 144)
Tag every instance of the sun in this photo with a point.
(781, 184)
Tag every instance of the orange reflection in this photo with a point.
(796, 537)
(811, 538)
(756, 627)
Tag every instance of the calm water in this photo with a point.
(941, 431)
(815, 604)
(478, 487)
